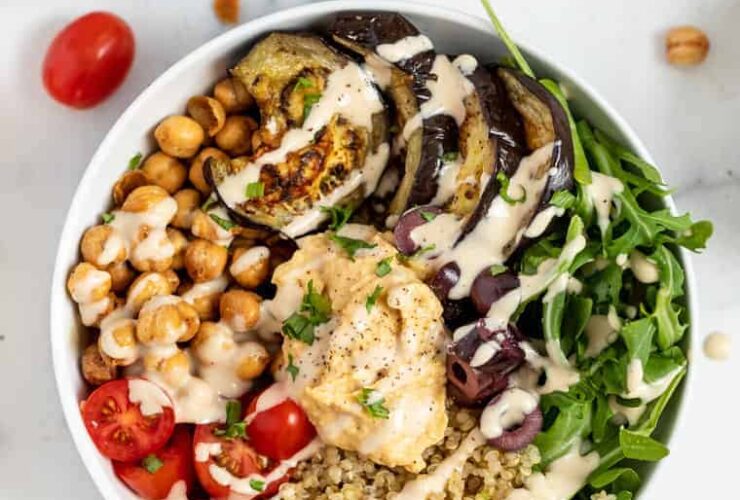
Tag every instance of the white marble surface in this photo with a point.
(687, 118)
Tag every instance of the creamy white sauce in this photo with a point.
(203, 451)
(405, 48)
(107, 341)
(466, 63)
(426, 484)
(542, 221)
(379, 70)
(448, 92)
(601, 192)
(717, 346)
(350, 93)
(179, 491)
(248, 259)
(222, 236)
(388, 183)
(484, 353)
(273, 396)
(562, 479)
(510, 410)
(631, 415)
(84, 290)
(111, 249)
(150, 397)
(601, 331)
(644, 269)
(90, 312)
(128, 226)
(637, 388)
(447, 181)
(205, 289)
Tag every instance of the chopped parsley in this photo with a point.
(497, 269)
(562, 199)
(339, 216)
(373, 401)
(255, 190)
(427, 216)
(308, 102)
(405, 258)
(449, 156)
(151, 463)
(351, 245)
(383, 267)
(108, 217)
(235, 426)
(256, 484)
(208, 204)
(315, 309)
(373, 298)
(226, 224)
(302, 83)
(504, 190)
(291, 368)
(135, 161)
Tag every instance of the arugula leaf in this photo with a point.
(384, 267)
(254, 190)
(373, 298)
(573, 422)
(695, 238)
(497, 269)
(552, 319)
(638, 337)
(225, 224)
(602, 415)
(575, 318)
(640, 447)
(504, 190)
(427, 216)
(351, 245)
(660, 364)
(508, 42)
(108, 217)
(134, 161)
(373, 401)
(151, 463)
(562, 199)
(339, 216)
(670, 271)
(605, 285)
(670, 329)
(648, 171)
(629, 480)
(538, 253)
(649, 424)
(309, 100)
(292, 369)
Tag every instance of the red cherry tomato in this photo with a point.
(281, 431)
(88, 59)
(117, 426)
(176, 465)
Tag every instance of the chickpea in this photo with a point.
(250, 267)
(212, 342)
(97, 368)
(179, 242)
(208, 112)
(686, 46)
(205, 227)
(148, 285)
(252, 360)
(118, 341)
(188, 201)
(159, 250)
(205, 304)
(236, 135)
(174, 369)
(91, 313)
(205, 260)
(88, 284)
(277, 365)
(145, 198)
(121, 276)
(196, 168)
(240, 309)
(165, 171)
(233, 95)
(126, 184)
(102, 245)
(172, 279)
(165, 320)
(179, 136)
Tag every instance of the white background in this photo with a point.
(687, 118)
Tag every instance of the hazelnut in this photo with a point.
(686, 46)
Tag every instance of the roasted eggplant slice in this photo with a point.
(322, 139)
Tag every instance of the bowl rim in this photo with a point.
(58, 296)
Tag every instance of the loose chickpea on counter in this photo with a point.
(196, 168)
(179, 136)
(165, 171)
(686, 46)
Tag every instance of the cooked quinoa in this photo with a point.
(489, 474)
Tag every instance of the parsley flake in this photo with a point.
(373, 401)
(255, 190)
(497, 269)
(308, 102)
(151, 463)
(135, 161)
(427, 216)
(373, 298)
(405, 258)
(384, 267)
(315, 310)
(225, 224)
(291, 368)
(235, 427)
(339, 216)
(302, 83)
(504, 190)
(562, 199)
(256, 484)
(449, 156)
(208, 204)
(351, 245)
(108, 217)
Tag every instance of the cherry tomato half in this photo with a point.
(281, 431)
(170, 464)
(117, 426)
(236, 456)
(88, 60)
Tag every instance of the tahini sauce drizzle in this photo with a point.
(405, 48)
(601, 192)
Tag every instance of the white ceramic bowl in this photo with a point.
(452, 32)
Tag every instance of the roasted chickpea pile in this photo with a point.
(167, 282)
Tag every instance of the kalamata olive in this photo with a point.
(488, 288)
(409, 221)
(520, 436)
(445, 279)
